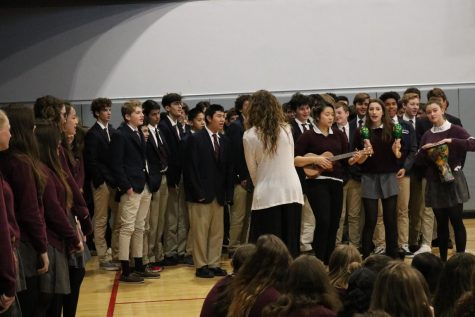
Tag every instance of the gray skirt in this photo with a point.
(56, 280)
(379, 186)
(20, 273)
(445, 195)
(29, 259)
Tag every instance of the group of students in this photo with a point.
(162, 182)
(266, 281)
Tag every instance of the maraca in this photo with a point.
(397, 134)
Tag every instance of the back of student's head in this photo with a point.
(373, 313)
(307, 284)
(239, 102)
(376, 262)
(344, 260)
(465, 306)
(401, 291)
(241, 255)
(267, 267)
(358, 295)
(49, 107)
(454, 281)
(430, 267)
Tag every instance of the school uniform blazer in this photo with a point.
(408, 144)
(453, 119)
(206, 178)
(96, 157)
(355, 169)
(154, 164)
(127, 157)
(174, 163)
(235, 132)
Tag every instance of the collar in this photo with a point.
(406, 118)
(358, 119)
(152, 128)
(211, 133)
(102, 125)
(346, 126)
(380, 127)
(317, 130)
(174, 123)
(300, 122)
(444, 127)
(134, 129)
(395, 119)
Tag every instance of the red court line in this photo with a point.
(115, 289)
(160, 300)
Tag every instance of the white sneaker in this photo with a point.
(380, 249)
(406, 250)
(423, 249)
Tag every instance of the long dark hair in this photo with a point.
(388, 124)
(267, 267)
(49, 137)
(306, 286)
(23, 142)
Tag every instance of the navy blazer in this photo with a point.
(174, 162)
(128, 157)
(206, 178)
(408, 144)
(355, 169)
(155, 166)
(96, 158)
(235, 132)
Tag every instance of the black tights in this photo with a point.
(454, 214)
(70, 301)
(390, 225)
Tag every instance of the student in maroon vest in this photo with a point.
(20, 167)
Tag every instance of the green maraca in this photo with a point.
(364, 132)
(397, 134)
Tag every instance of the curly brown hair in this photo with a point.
(267, 116)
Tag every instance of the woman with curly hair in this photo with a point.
(269, 151)
(308, 291)
(258, 282)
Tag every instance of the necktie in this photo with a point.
(138, 135)
(107, 134)
(177, 129)
(412, 123)
(216, 146)
(360, 123)
(304, 126)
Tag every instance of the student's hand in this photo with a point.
(45, 260)
(130, 191)
(397, 148)
(401, 173)
(445, 141)
(323, 162)
(427, 145)
(6, 302)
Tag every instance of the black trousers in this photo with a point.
(30, 298)
(70, 301)
(390, 225)
(454, 214)
(282, 221)
(326, 199)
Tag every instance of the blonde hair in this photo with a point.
(344, 260)
(129, 106)
(267, 116)
(409, 96)
(3, 118)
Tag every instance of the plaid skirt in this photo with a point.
(56, 280)
(445, 195)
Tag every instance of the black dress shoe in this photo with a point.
(185, 259)
(204, 272)
(168, 261)
(217, 271)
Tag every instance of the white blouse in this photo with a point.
(275, 179)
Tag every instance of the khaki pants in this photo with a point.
(154, 225)
(240, 216)
(133, 212)
(307, 226)
(341, 227)
(421, 218)
(176, 223)
(354, 208)
(402, 208)
(103, 197)
(207, 226)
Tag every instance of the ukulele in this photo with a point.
(313, 170)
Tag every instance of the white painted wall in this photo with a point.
(218, 47)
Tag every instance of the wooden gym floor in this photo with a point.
(177, 293)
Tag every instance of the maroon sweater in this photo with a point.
(312, 142)
(461, 144)
(58, 228)
(28, 208)
(7, 262)
(9, 204)
(383, 159)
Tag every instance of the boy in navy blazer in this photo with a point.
(97, 163)
(130, 169)
(208, 180)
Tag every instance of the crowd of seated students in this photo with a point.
(171, 185)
